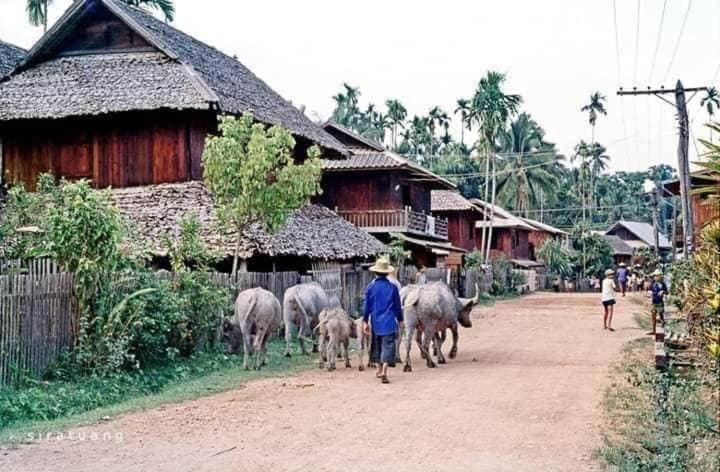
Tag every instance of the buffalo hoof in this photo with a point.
(422, 354)
(407, 368)
(453, 354)
(331, 368)
(361, 368)
(287, 354)
(434, 351)
(321, 366)
(371, 365)
(431, 365)
(398, 360)
(442, 361)
(246, 367)
(348, 366)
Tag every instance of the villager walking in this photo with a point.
(622, 276)
(658, 291)
(608, 298)
(382, 316)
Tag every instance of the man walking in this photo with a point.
(622, 276)
(658, 290)
(382, 312)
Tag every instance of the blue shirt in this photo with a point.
(658, 289)
(382, 306)
(622, 274)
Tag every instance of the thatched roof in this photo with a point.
(447, 200)
(10, 56)
(199, 78)
(366, 155)
(314, 231)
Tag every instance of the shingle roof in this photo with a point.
(447, 200)
(313, 231)
(643, 231)
(501, 217)
(620, 247)
(224, 83)
(542, 226)
(372, 156)
(10, 56)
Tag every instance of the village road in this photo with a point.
(523, 395)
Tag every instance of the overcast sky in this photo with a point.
(426, 53)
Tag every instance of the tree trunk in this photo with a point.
(492, 210)
(236, 254)
(486, 193)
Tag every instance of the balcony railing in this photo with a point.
(407, 220)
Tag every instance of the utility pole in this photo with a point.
(680, 106)
(655, 200)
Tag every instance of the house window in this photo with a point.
(515, 239)
(406, 199)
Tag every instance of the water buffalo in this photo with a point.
(336, 328)
(430, 310)
(302, 305)
(257, 315)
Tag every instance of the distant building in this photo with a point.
(10, 57)
(638, 235)
(388, 196)
(543, 232)
(622, 252)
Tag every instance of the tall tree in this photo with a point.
(491, 109)
(37, 11)
(464, 109)
(711, 101)
(593, 108)
(165, 7)
(397, 114)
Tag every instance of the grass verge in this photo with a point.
(660, 421)
(46, 407)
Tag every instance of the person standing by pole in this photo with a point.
(382, 315)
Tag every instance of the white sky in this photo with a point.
(428, 53)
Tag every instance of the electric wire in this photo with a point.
(677, 44)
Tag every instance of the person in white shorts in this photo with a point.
(608, 298)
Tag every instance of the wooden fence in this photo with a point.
(36, 316)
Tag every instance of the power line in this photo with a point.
(619, 78)
(677, 45)
(637, 43)
(657, 43)
(499, 172)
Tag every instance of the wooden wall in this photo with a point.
(461, 228)
(704, 212)
(119, 151)
(375, 190)
(502, 242)
(102, 31)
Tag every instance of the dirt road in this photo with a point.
(523, 394)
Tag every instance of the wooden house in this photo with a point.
(510, 234)
(461, 216)
(638, 235)
(10, 57)
(388, 196)
(116, 96)
(703, 209)
(112, 94)
(540, 234)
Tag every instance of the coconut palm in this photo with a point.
(463, 108)
(528, 166)
(595, 107)
(491, 109)
(397, 114)
(711, 101)
(37, 11)
(165, 7)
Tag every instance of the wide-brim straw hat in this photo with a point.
(609, 272)
(382, 266)
(622, 264)
(657, 272)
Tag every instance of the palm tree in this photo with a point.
(346, 110)
(397, 114)
(463, 107)
(166, 7)
(37, 11)
(596, 105)
(711, 101)
(528, 165)
(491, 108)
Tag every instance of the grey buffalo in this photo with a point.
(302, 305)
(429, 311)
(336, 328)
(257, 315)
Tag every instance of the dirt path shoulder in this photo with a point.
(523, 394)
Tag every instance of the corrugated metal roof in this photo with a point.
(643, 231)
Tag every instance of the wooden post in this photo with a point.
(684, 169)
